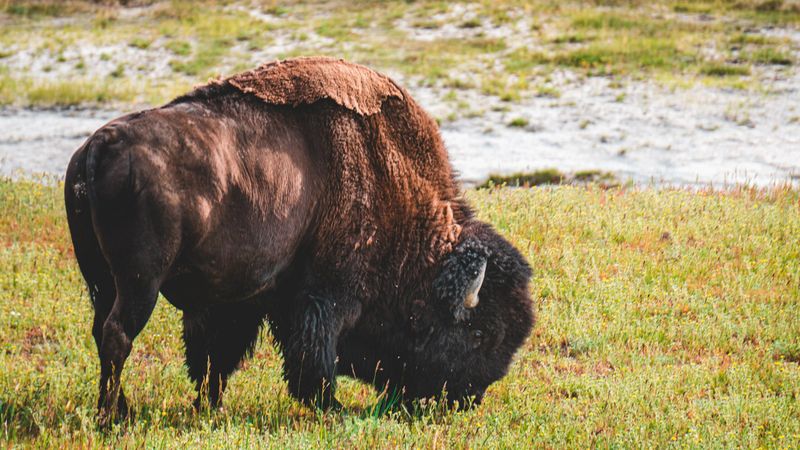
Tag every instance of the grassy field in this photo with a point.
(511, 49)
(666, 319)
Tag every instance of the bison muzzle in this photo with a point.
(313, 195)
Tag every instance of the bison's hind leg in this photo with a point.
(138, 234)
(217, 340)
(132, 308)
(93, 265)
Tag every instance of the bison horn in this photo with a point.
(471, 298)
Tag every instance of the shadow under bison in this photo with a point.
(313, 194)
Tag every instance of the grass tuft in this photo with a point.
(724, 70)
(14, 91)
(770, 56)
(518, 122)
(525, 179)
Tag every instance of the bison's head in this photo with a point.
(478, 314)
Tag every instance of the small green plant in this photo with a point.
(607, 20)
(104, 18)
(181, 10)
(693, 7)
(334, 29)
(518, 122)
(47, 8)
(179, 47)
(140, 43)
(571, 39)
(724, 70)
(471, 23)
(769, 5)
(770, 56)
(118, 72)
(751, 39)
(544, 90)
(427, 24)
(64, 92)
(525, 179)
(599, 177)
(277, 10)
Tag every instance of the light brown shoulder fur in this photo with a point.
(307, 80)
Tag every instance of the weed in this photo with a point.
(537, 178)
(140, 43)
(547, 91)
(118, 72)
(471, 23)
(724, 70)
(571, 39)
(770, 56)
(518, 122)
(180, 48)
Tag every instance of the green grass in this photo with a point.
(770, 56)
(206, 57)
(544, 177)
(665, 319)
(140, 43)
(48, 8)
(60, 92)
(525, 179)
(181, 48)
(724, 70)
(518, 122)
(593, 37)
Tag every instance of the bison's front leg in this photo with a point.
(310, 350)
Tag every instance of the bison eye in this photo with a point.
(477, 338)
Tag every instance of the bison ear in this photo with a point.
(461, 277)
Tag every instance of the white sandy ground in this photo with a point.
(640, 131)
(683, 137)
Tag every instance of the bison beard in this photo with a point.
(312, 194)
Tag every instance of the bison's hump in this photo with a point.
(306, 80)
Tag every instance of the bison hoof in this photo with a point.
(200, 403)
(107, 416)
(334, 405)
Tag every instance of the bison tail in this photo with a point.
(107, 165)
(79, 199)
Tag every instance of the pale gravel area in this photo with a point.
(464, 21)
(697, 136)
(42, 141)
(96, 61)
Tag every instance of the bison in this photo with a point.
(311, 194)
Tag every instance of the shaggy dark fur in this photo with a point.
(343, 229)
